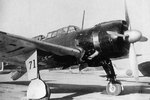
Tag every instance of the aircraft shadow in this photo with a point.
(75, 90)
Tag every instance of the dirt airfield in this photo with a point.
(74, 86)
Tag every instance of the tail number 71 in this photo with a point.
(32, 64)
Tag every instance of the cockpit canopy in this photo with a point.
(64, 30)
(61, 31)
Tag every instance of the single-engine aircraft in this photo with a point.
(69, 46)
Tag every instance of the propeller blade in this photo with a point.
(143, 39)
(127, 15)
(133, 61)
(133, 36)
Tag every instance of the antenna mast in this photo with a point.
(83, 19)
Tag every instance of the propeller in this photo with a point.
(133, 36)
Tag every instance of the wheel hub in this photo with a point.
(112, 88)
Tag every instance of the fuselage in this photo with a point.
(96, 38)
(89, 41)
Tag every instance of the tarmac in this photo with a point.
(66, 85)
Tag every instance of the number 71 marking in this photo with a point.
(32, 64)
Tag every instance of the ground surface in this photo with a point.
(67, 86)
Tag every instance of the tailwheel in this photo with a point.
(114, 88)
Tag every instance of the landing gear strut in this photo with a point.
(114, 87)
(37, 89)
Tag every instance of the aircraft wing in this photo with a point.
(14, 45)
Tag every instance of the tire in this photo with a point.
(114, 89)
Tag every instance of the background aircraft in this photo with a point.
(94, 46)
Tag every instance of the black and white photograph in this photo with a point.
(74, 50)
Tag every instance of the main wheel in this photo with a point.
(114, 88)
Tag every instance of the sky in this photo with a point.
(33, 17)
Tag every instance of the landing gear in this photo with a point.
(114, 87)
(37, 89)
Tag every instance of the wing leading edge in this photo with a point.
(13, 45)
